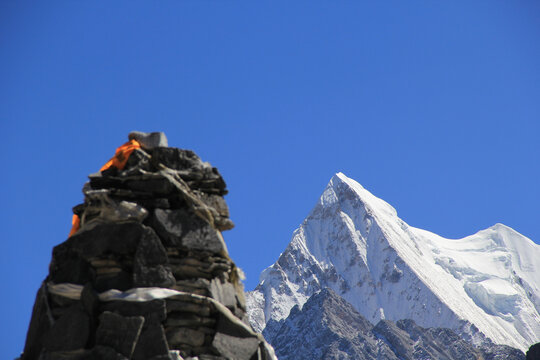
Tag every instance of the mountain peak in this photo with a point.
(498, 226)
(342, 189)
(341, 177)
(505, 236)
(484, 285)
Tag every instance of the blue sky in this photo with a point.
(432, 106)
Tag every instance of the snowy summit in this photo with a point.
(482, 286)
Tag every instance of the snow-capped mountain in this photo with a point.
(484, 285)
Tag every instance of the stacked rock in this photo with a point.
(147, 275)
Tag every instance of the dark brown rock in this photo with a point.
(103, 239)
(121, 280)
(118, 332)
(146, 276)
(183, 272)
(187, 336)
(69, 332)
(184, 306)
(68, 267)
(178, 159)
(158, 186)
(40, 323)
(153, 310)
(138, 160)
(168, 225)
(195, 286)
(150, 251)
(89, 300)
(105, 353)
(152, 342)
(79, 354)
(162, 203)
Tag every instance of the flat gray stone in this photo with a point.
(152, 276)
(234, 347)
(168, 225)
(224, 292)
(149, 266)
(149, 140)
(184, 228)
(150, 251)
(204, 238)
(227, 326)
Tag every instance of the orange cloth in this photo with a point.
(121, 156)
(76, 222)
(119, 160)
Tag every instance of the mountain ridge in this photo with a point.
(328, 327)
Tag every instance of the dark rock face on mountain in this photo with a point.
(534, 352)
(327, 327)
(146, 274)
(443, 343)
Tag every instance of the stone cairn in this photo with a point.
(147, 274)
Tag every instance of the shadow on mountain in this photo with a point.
(328, 327)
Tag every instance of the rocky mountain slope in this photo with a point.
(485, 287)
(327, 327)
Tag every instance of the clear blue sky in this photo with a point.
(432, 106)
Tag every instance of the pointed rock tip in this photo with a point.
(362, 193)
(342, 178)
(501, 231)
(501, 227)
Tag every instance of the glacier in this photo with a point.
(484, 286)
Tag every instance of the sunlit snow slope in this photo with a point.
(354, 243)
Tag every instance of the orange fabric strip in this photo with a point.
(76, 224)
(119, 161)
(121, 156)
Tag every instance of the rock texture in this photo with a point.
(147, 275)
(328, 327)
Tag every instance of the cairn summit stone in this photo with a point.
(149, 140)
